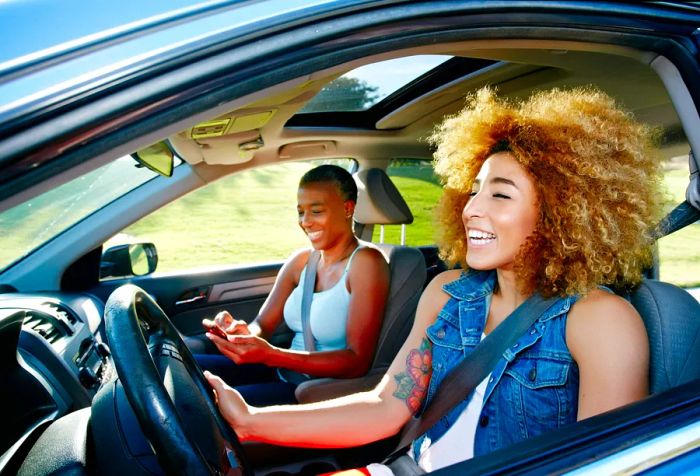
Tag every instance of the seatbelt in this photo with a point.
(466, 375)
(687, 212)
(683, 215)
(306, 298)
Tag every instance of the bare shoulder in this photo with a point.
(599, 307)
(295, 264)
(369, 259)
(368, 268)
(369, 253)
(444, 278)
(434, 297)
(602, 315)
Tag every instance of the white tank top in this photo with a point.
(457, 444)
(328, 315)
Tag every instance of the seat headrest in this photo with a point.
(378, 200)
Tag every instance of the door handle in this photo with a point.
(191, 300)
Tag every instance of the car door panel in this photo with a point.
(187, 298)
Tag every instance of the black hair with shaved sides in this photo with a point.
(332, 174)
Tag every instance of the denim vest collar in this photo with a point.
(476, 285)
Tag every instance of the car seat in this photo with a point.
(672, 320)
(380, 203)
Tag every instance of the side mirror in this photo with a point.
(158, 157)
(122, 261)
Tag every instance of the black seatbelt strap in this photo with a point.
(466, 375)
(306, 298)
(683, 215)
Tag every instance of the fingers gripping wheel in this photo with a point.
(173, 402)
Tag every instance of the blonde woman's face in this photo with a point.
(500, 214)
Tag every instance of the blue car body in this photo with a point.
(82, 83)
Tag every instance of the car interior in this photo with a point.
(58, 356)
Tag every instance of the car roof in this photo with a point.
(152, 51)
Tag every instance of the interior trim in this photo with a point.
(241, 289)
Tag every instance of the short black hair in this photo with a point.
(334, 174)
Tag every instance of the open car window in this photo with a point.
(679, 255)
(36, 221)
(248, 217)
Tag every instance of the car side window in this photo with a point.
(246, 218)
(679, 254)
(421, 190)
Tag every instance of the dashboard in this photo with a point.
(53, 360)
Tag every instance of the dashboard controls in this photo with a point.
(92, 362)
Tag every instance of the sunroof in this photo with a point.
(362, 88)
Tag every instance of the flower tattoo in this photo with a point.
(412, 385)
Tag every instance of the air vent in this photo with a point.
(60, 313)
(51, 320)
(46, 326)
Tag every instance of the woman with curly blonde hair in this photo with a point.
(596, 177)
(557, 195)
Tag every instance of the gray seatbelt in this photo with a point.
(306, 298)
(683, 215)
(466, 375)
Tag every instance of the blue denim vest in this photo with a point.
(532, 389)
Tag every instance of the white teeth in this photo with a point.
(478, 237)
(478, 234)
(313, 234)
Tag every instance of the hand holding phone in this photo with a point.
(213, 327)
(218, 331)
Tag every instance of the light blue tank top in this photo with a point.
(328, 315)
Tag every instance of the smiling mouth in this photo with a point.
(313, 235)
(480, 238)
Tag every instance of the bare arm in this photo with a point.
(271, 313)
(607, 339)
(351, 420)
(368, 280)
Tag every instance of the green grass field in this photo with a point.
(251, 218)
(246, 218)
(679, 253)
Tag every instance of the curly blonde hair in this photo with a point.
(597, 178)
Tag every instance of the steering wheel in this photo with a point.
(173, 403)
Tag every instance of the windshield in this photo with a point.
(34, 222)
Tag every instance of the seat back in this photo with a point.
(408, 275)
(672, 319)
(379, 202)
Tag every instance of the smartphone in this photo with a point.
(216, 330)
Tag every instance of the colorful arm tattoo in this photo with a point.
(412, 385)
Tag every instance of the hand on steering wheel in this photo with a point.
(172, 400)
